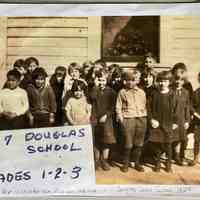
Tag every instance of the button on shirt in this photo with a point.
(14, 101)
(131, 103)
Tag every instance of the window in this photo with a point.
(129, 38)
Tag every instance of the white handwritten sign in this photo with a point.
(46, 160)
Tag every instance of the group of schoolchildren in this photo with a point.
(132, 112)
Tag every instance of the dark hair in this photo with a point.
(29, 60)
(14, 73)
(140, 67)
(113, 67)
(74, 66)
(149, 71)
(100, 73)
(179, 66)
(39, 72)
(60, 68)
(79, 85)
(88, 64)
(116, 73)
(19, 63)
(164, 75)
(100, 62)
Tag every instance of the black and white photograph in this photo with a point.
(134, 79)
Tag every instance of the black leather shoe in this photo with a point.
(139, 168)
(124, 168)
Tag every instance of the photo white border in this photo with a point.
(183, 191)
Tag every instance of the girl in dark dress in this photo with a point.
(148, 79)
(57, 84)
(103, 102)
(183, 119)
(180, 70)
(162, 116)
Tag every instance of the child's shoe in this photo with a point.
(124, 167)
(105, 166)
(193, 162)
(139, 167)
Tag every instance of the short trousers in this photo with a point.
(134, 130)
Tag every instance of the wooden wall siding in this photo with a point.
(53, 40)
(3, 50)
(180, 42)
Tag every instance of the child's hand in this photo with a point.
(93, 120)
(197, 115)
(120, 119)
(51, 118)
(103, 119)
(31, 120)
(186, 125)
(154, 123)
(174, 126)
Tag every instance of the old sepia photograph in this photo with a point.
(134, 79)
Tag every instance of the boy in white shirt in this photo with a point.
(13, 103)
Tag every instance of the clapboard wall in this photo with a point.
(53, 40)
(180, 42)
(61, 40)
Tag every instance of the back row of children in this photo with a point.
(125, 109)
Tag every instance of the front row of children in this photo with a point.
(142, 109)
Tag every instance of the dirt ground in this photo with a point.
(181, 175)
(184, 175)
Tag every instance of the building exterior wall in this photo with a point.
(61, 40)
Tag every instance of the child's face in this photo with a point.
(12, 82)
(137, 75)
(181, 73)
(149, 61)
(148, 80)
(179, 83)
(75, 74)
(60, 74)
(163, 84)
(86, 70)
(129, 84)
(40, 81)
(32, 66)
(102, 81)
(78, 94)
